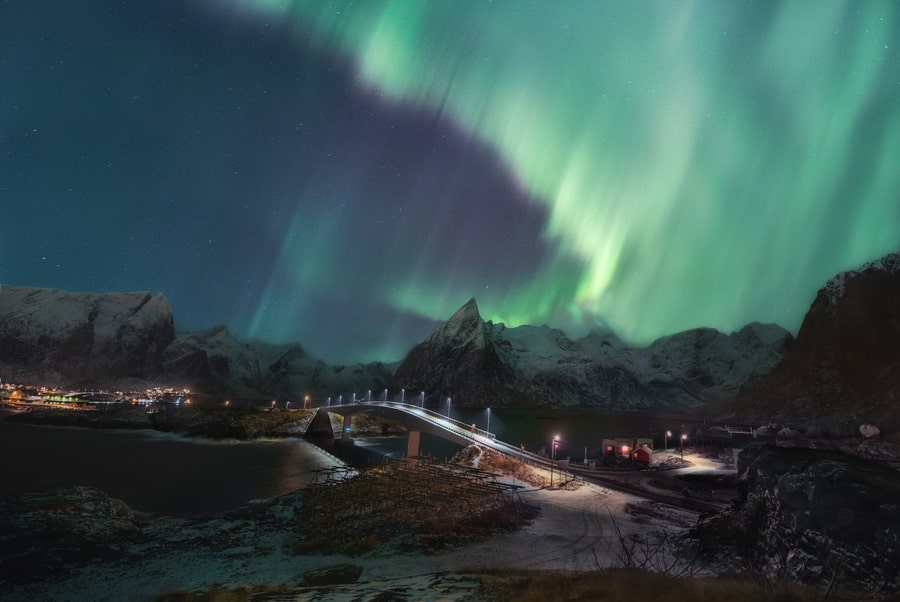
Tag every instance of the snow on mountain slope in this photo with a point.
(476, 361)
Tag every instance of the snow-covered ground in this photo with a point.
(575, 530)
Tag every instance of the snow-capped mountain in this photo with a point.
(481, 363)
(846, 359)
(128, 340)
(58, 335)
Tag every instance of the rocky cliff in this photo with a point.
(65, 337)
(845, 363)
(811, 516)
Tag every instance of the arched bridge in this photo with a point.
(418, 420)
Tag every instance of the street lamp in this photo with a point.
(488, 429)
(553, 445)
(683, 437)
(422, 400)
(667, 435)
(448, 408)
(402, 394)
(306, 402)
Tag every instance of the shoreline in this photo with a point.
(574, 531)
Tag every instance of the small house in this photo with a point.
(624, 445)
(608, 448)
(643, 441)
(643, 454)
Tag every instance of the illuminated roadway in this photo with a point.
(417, 418)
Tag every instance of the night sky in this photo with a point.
(347, 175)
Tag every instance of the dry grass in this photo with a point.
(619, 585)
(626, 585)
(414, 504)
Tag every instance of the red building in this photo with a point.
(642, 454)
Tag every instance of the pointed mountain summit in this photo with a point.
(478, 364)
(458, 360)
(463, 328)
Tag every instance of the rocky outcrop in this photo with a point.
(47, 534)
(479, 363)
(845, 363)
(811, 516)
(74, 337)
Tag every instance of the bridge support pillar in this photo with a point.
(345, 429)
(412, 443)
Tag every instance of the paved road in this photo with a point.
(639, 483)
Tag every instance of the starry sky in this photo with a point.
(348, 174)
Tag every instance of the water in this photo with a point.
(166, 474)
(154, 472)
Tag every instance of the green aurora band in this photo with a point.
(701, 163)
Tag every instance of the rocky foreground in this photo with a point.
(816, 516)
(824, 518)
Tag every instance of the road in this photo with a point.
(640, 483)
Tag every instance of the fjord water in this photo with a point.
(167, 474)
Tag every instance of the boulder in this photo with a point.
(810, 516)
(47, 533)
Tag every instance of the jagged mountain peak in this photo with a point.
(464, 327)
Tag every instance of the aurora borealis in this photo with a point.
(346, 174)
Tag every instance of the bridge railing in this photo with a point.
(437, 418)
(458, 427)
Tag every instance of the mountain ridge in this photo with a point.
(848, 348)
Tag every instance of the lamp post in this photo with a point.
(553, 443)
(306, 402)
(448, 408)
(667, 435)
(488, 429)
(422, 399)
(683, 437)
(402, 394)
